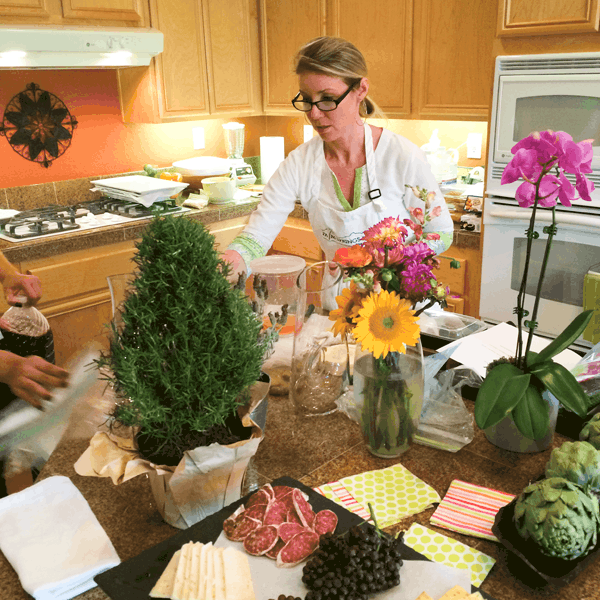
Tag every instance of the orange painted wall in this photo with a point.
(102, 144)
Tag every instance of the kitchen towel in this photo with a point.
(470, 509)
(445, 550)
(53, 540)
(404, 494)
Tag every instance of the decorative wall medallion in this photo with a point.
(38, 125)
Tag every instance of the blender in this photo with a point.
(234, 146)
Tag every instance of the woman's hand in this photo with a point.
(17, 284)
(238, 265)
(31, 378)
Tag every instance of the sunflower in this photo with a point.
(349, 303)
(385, 324)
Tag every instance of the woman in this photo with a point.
(30, 377)
(348, 178)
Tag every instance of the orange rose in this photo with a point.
(355, 256)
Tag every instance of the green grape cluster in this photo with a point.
(353, 566)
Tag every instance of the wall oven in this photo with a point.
(532, 93)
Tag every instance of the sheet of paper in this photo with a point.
(478, 350)
(416, 576)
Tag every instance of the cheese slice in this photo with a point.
(219, 574)
(204, 550)
(163, 588)
(209, 577)
(424, 596)
(238, 579)
(182, 573)
(191, 584)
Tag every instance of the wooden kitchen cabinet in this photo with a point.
(453, 65)
(210, 64)
(524, 18)
(464, 282)
(76, 298)
(297, 238)
(285, 27)
(426, 60)
(114, 13)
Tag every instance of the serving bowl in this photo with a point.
(194, 170)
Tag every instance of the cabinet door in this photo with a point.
(524, 17)
(76, 298)
(453, 62)
(286, 26)
(130, 11)
(174, 86)
(233, 56)
(117, 13)
(383, 33)
(38, 10)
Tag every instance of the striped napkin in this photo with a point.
(470, 509)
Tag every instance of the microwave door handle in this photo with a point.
(561, 218)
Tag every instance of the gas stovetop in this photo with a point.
(55, 219)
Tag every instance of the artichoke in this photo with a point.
(559, 516)
(591, 431)
(578, 462)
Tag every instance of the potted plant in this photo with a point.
(513, 403)
(183, 361)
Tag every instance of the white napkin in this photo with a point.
(52, 539)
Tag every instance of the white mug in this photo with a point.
(219, 189)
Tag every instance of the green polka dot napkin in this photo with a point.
(394, 493)
(445, 550)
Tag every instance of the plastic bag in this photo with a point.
(445, 421)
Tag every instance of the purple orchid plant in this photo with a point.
(514, 387)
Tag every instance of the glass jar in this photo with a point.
(389, 395)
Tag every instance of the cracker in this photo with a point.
(455, 593)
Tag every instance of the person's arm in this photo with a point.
(277, 202)
(31, 378)
(16, 284)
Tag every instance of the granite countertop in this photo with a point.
(36, 248)
(315, 451)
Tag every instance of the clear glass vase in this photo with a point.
(389, 395)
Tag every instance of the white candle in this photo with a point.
(271, 156)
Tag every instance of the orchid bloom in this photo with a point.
(536, 155)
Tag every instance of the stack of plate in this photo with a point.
(138, 188)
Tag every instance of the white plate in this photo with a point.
(140, 184)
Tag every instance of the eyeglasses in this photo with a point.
(322, 105)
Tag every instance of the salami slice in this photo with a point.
(325, 522)
(292, 517)
(261, 540)
(303, 508)
(299, 548)
(276, 513)
(269, 491)
(257, 511)
(281, 491)
(274, 551)
(288, 530)
(236, 529)
(259, 497)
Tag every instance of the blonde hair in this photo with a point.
(339, 58)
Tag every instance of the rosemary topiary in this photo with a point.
(189, 346)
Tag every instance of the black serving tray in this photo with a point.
(527, 563)
(134, 578)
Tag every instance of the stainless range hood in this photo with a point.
(55, 47)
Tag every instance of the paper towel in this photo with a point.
(271, 155)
